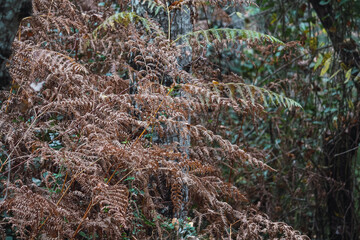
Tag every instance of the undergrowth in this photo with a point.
(105, 136)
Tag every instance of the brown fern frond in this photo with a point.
(104, 134)
(29, 209)
(176, 192)
(113, 201)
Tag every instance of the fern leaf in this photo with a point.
(154, 5)
(228, 34)
(205, 34)
(254, 92)
(124, 18)
(57, 62)
(250, 94)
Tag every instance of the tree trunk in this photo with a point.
(339, 158)
(336, 30)
(339, 148)
(180, 24)
(11, 13)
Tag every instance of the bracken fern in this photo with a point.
(96, 147)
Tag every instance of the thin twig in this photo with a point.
(350, 150)
(83, 218)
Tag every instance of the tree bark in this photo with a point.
(336, 30)
(339, 159)
(180, 24)
(11, 13)
(337, 155)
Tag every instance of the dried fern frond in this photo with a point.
(202, 135)
(228, 2)
(55, 62)
(29, 209)
(213, 99)
(113, 202)
(158, 5)
(63, 8)
(206, 37)
(104, 152)
(54, 24)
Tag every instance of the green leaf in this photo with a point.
(332, 76)
(351, 104)
(239, 15)
(36, 181)
(322, 3)
(357, 77)
(129, 179)
(83, 234)
(326, 67)
(348, 75)
(157, 10)
(318, 61)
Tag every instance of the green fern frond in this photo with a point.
(230, 34)
(151, 5)
(123, 18)
(253, 92)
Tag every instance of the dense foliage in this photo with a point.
(182, 120)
